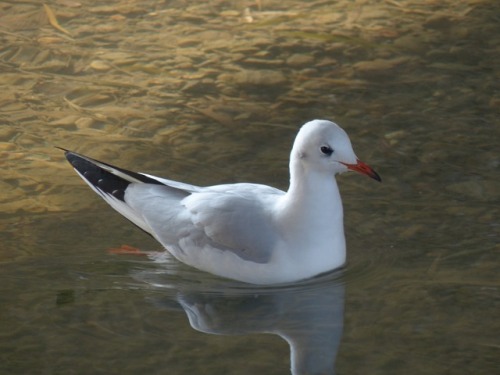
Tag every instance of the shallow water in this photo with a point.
(211, 93)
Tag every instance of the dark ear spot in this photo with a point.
(302, 155)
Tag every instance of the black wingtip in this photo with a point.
(70, 155)
(63, 149)
(104, 179)
(98, 177)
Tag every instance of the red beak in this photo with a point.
(363, 169)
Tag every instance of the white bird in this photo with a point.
(248, 232)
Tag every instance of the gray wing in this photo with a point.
(234, 218)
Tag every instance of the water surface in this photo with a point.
(215, 92)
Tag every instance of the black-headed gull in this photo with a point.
(247, 232)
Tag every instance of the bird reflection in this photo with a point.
(309, 315)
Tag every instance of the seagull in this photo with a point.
(247, 232)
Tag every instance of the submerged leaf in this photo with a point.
(53, 20)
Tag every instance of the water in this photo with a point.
(199, 93)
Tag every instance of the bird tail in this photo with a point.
(110, 183)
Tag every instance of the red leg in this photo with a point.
(126, 250)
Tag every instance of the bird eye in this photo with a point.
(327, 150)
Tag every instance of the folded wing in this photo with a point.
(187, 219)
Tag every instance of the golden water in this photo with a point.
(213, 92)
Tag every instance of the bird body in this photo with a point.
(248, 232)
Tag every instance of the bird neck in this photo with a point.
(313, 199)
(311, 220)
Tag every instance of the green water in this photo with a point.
(212, 93)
